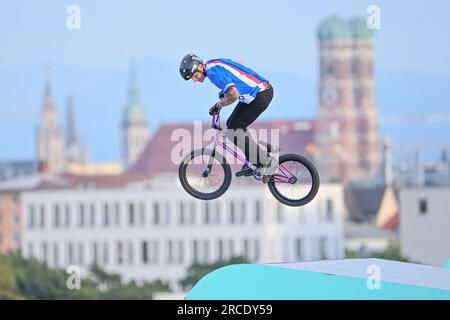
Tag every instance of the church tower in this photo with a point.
(135, 131)
(50, 137)
(75, 151)
(347, 132)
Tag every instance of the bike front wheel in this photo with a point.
(204, 174)
(306, 184)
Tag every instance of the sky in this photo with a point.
(278, 39)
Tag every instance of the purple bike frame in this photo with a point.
(215, 124)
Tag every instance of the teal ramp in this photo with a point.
(329, 279)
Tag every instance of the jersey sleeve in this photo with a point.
(220, 78)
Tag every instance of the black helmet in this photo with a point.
(189, 65)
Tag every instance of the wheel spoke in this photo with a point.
(303, 185)
(194, 170)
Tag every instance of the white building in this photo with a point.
(158, 233)
(425, 224)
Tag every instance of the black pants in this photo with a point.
(243, 116)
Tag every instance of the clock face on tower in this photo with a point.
(329, 97)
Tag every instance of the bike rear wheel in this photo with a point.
(197, 181)
(305, 187)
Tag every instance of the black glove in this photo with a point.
(215, 109)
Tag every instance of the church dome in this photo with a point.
(334, 27)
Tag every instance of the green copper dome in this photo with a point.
(335, 27)
(359, 28)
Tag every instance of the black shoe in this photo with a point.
(245, 171)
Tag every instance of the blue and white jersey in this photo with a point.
(226, 74)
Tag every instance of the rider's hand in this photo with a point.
(215, 109)
(221, 95)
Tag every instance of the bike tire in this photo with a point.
(315, 182)
(191, 190)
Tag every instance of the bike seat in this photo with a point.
(269, 147)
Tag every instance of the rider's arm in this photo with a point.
(231, 96)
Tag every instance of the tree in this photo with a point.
(32, 279)
(8, 287)
(392, 252)
(198, 271)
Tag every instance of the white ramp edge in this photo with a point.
(391, 271)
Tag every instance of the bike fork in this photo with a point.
(210, 163)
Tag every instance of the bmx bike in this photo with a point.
(205, 174)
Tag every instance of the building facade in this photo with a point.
(158, 234)
(10, 221)
(347, 132)
(425, 224)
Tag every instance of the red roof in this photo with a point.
(393, 222)
(294, 135)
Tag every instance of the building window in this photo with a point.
(180, 251)
(67, 216)
(232, 213)
(329, 210)
(218, 212)
(258, 213)
(205, 251)
(193, 213)
(106, 215)
(105, 253)
(220, 249)
(246, 252)
(206, 213)
(154, 252)
(181, 217)
(94, 253)
(257, 250)
(144, 252)
(142, 214)
(56, 216)
(15, 198)
(423, 206)
(323, 248)
(243, 212)
(42, 213)
(330, 69)
(130, 253)
(55, 254)
(16, 239)
(16, 219)
(81, 218)
(231, 248)
(31, 217)
(119, 253)
(117, 213)
(81, 253)
(298, 247)
(169, 257)
(44, 250)
(92, 218)
(70, 253)
(156, 214)
(131, 214)
(195, 251)
(168, 213)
